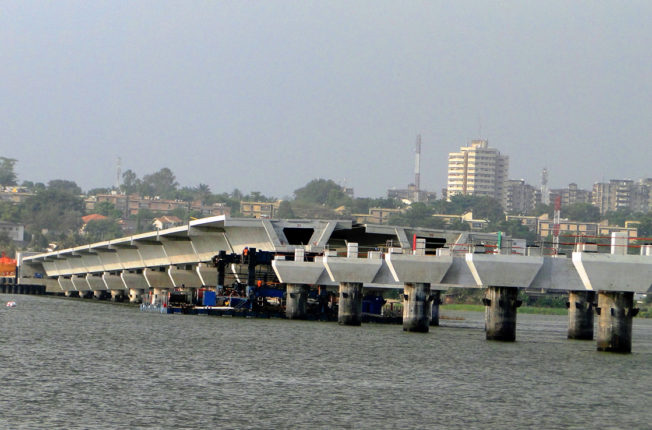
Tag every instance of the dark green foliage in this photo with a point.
(7, 174)
(285, 210)
(64, 185)
(581, 212)
(322, 191)
(102, 229)
(57, 210)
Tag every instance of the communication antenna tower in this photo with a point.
(118, 173)
(545, 193)
(417, 168)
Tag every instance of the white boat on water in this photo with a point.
(11, 304)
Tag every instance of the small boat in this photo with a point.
(11, 304)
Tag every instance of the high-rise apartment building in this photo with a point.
(520, 198)
(618, 194)
(571, 195)
(477, 170)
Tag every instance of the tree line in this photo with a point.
(53, 214)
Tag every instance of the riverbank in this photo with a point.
(523, 309)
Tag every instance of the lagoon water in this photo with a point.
(81, 364)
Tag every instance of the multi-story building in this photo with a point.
(575, 229)
(132, 204)
(259, 209)
(477, 170)
(520, 198)
(619, 194)
(571, 195)
(15, 232)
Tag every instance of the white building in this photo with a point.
(477, 170)
(15, 232)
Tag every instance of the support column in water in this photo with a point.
(416, 301)
(116, 295)
(435, 296)
(615, 313)
(580, 314)
(135, 295)
(500, 313)
(349, 310)
(296, 301)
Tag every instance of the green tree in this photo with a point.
(54, 209)
(322, 191)
(417, 215)
(162, 183)
(64, 185)
(130, 182)
(107, 209)
(96, 191)
(102, 229)
(7, 174)
(581, 212)
(620, 216)
(285, 210)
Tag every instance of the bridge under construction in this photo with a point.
(338, 255)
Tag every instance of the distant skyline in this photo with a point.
(265, 96)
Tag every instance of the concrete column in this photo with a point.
(615, 312)
(500, 313)
(97, 294)
(350, 303)
(117, 295)
(159, 296)
(135, 295)
(296, 301)
(580, 314)
(416, 301)
(435, 296)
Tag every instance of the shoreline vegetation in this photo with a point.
(522, 309)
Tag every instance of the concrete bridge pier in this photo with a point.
(615, 312)
(580, 314)
(435, 297)
(350, 303)
(416, 301)
(296, 301)
(135, 295)
(500, 313)
(117, 295)
(97, 294)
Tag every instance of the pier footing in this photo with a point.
(580, 314)
(350, 303)
(500, 313)
(296, 301)
(615, 313)
(435, 296)
(416, 300)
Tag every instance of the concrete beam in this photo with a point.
(95, 282)
(503, 270)
(558, 273)
(79, 282)
(352, 270)
(157, 278)
(66, 284)
(298, 272)
(184, 277)
(418, 268)
(607, 272)
(113, 281)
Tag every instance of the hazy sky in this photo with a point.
(267, 95)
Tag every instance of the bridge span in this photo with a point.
(348, 257)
